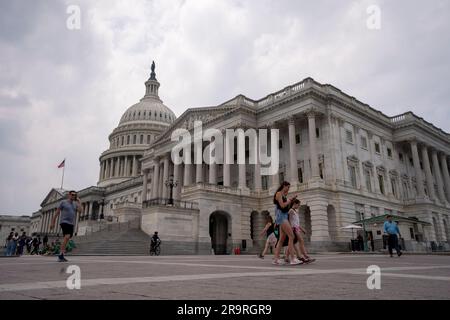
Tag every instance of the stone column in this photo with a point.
(165, 177)
(155, 179)
(213, 173)
(199, 173)
(102, 165)
(257, 176)
(144, 186)
(187, 175)
(416, 162)
(134, 170)
(176, 178)
(438, 175)
(428, 175)
(292, 153)
(319, 220)
(226, 167)
(312, 145)
(91, 204)
(242, 181)
(446, 175)
(226, 175)
(161, 181)
(125, 169)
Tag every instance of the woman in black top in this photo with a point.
(271, 238)
(282, 206)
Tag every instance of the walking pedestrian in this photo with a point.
(391, 228)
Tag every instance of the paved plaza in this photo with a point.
(332, 276)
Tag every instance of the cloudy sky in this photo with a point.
(62, 91)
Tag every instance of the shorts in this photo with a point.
(272, 239)
(67, 229)
(296, 229)
(280, 216)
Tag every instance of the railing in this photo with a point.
(401, 117)
(217, 188)
(128, 204)
(115, 226)
(170, 203)
(282, 93)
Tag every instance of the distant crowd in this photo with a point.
(16, 245)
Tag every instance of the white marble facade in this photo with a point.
(342, 158)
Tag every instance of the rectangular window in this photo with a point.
(300, 175)
(317, 133)
(148, 139)
(280, 144)
(297, 139)
(400, 157)
(394, 188)
(389, 152)
(377, 147)
(352, 175)
(128, 139)
(364, 143)
(368, 181)
(381, 183)
(411, 232)
(349, 136)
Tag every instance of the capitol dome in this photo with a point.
(138, 127)
(148, 109)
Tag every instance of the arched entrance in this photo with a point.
(218, 231)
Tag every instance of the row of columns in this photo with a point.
(441, 172)
(160, 176)
(118, 167)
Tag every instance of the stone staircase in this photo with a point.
(113, 242)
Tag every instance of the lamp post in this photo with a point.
(171, 184)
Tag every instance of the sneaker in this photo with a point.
(295, 261)
(278, 262)
(400, 253)
(61, 258)
(260, 256)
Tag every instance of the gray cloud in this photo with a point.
(62, 92)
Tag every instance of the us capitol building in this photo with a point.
(348, 163)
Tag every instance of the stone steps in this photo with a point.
(129, 242)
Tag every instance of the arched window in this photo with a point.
(122, 140)
(142, 139)
(128, 139)
(148, 139)
(134, 139)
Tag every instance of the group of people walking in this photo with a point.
(286, 231)
(15, 245)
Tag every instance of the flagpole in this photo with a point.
(62, 180)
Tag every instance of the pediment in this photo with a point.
(52, 196)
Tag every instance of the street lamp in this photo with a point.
(171, 184)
